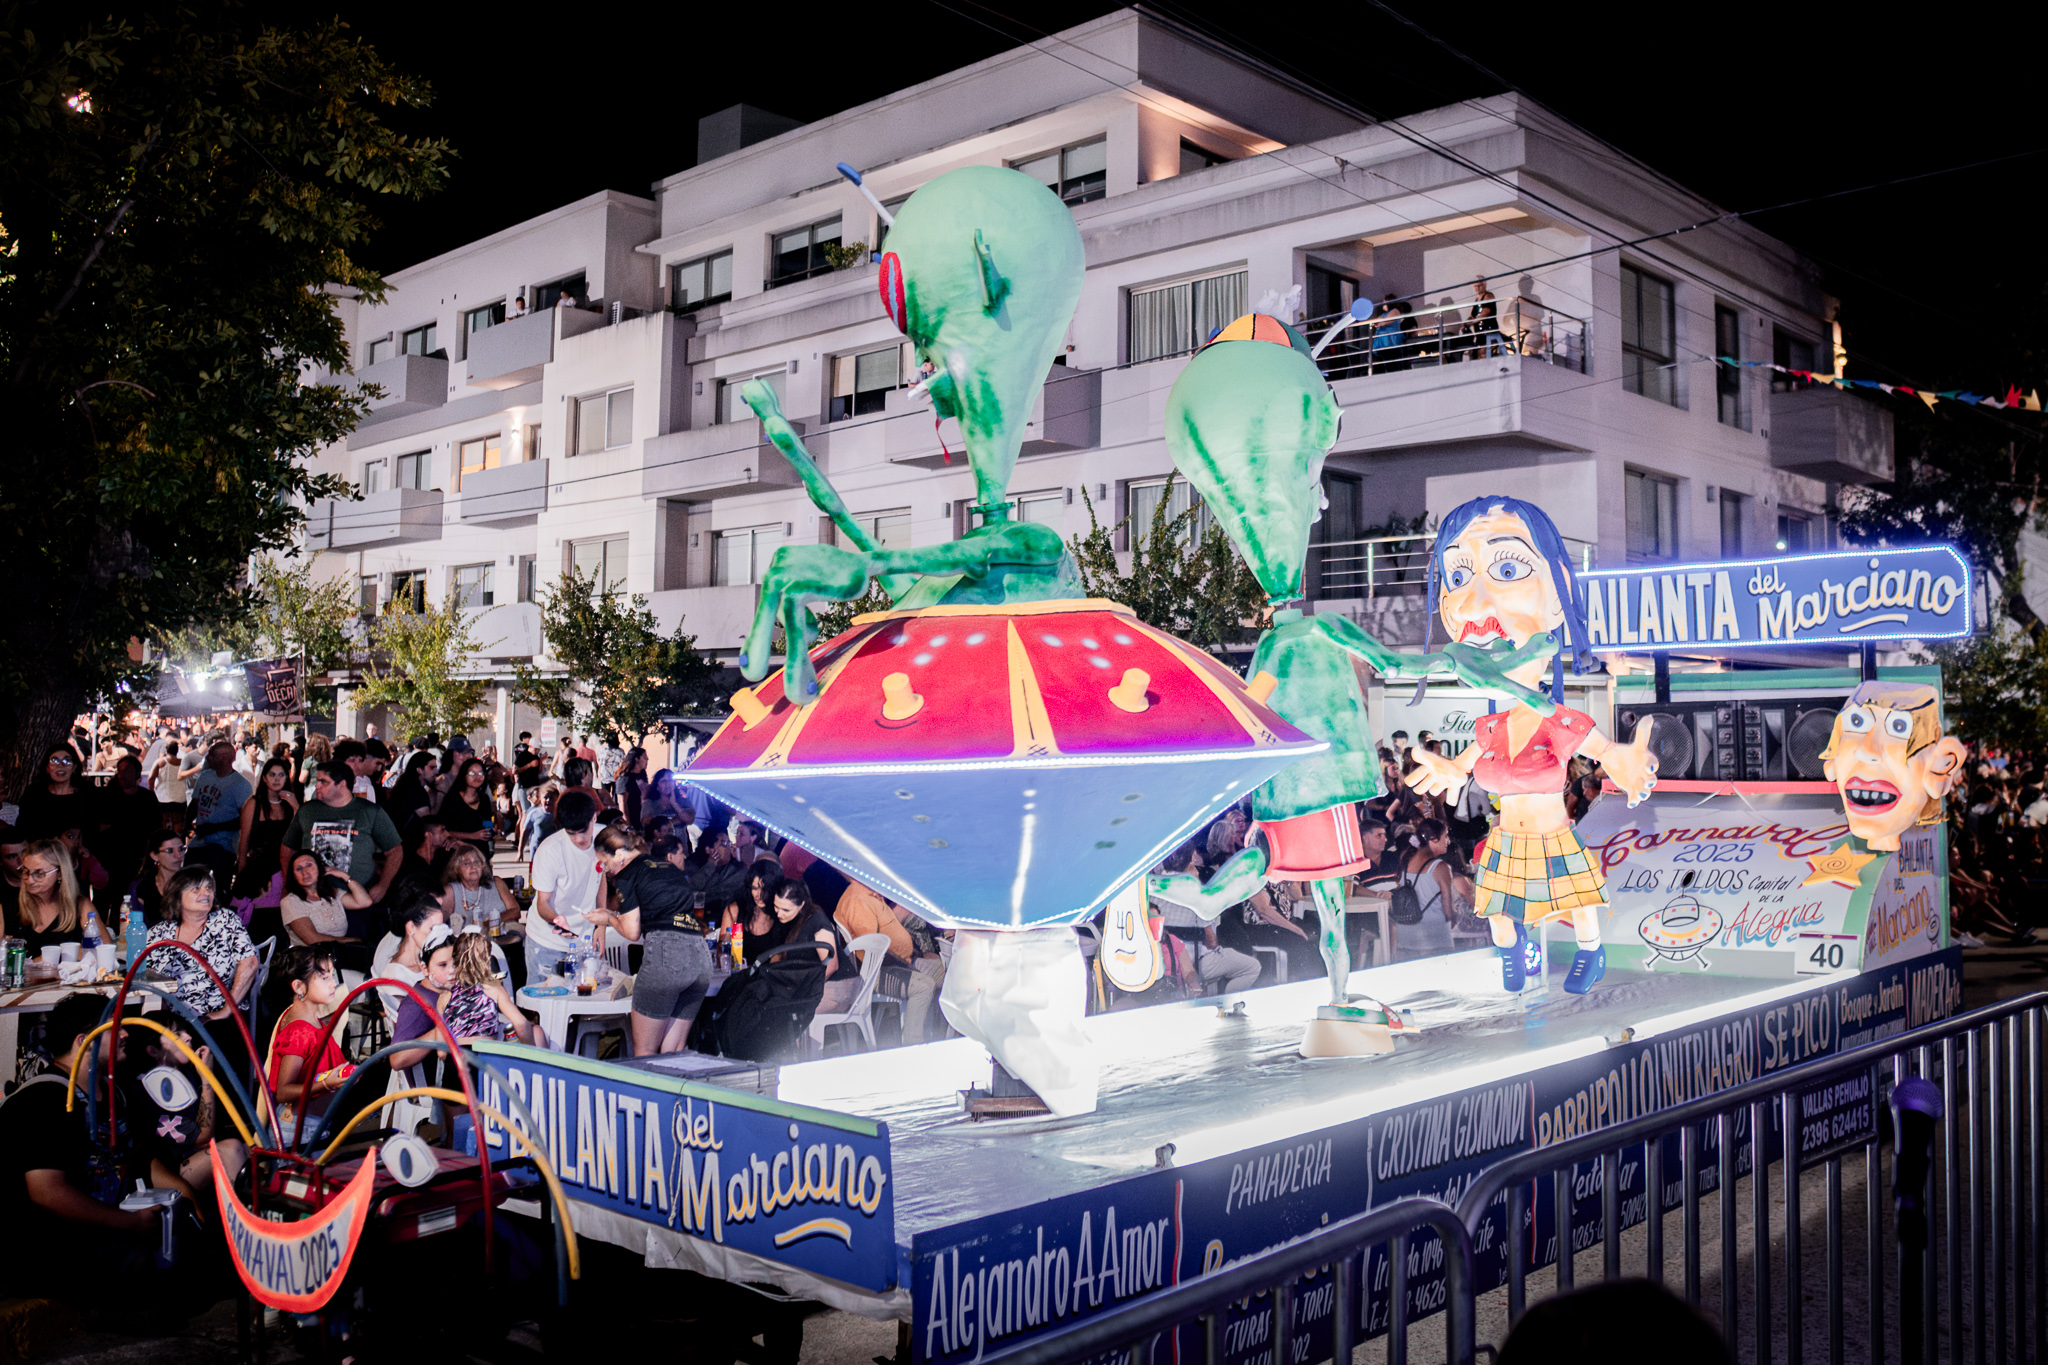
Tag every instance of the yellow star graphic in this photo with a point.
(1839, 864)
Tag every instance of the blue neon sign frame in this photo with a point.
(1783, 601)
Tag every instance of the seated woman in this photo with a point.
(52, 905)
(303, 1070)
(757, 919)
(471, 894)
(191, 917)
(797, 917)
(462, 981)
(325, 907)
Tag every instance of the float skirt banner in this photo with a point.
(806, 1187)
(1841, 599)
(296, 1267)
(994, 1281)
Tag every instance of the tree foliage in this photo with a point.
(180, 194)
(622, 676)
(1995, 687)
(286, 613)
(414, 664)
(1193, 587)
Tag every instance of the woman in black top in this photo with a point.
(160, 862)
(266, 815)
(797, 918)
(657, 907)
(54, 801)
(466, 810)
(410, 797)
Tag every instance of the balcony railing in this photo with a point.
(1446, 334)
(1394, 566)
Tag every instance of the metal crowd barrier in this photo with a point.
(1967, 1225)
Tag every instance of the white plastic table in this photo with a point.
(558, 1012)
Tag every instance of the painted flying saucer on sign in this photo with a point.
(999, 766)
(1681, 929)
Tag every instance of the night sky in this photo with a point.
(1748, 105)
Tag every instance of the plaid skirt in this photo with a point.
(1536, 878)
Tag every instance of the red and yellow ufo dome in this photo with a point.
(998, 766)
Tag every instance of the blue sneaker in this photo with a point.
(1588, 966)
(1514, 963)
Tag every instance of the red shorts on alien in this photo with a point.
(1316, 846)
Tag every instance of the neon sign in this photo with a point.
(1841, 598)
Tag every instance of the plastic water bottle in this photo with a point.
(134, 933)
(89, 936)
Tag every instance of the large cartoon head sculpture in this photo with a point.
(1500, 571)
(1248, 423)
(1890, 761)
(982, 271)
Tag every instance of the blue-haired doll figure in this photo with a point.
(1500, 571)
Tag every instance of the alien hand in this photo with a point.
(798, 576)
(1437, 775)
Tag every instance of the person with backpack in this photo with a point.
(1424, 904)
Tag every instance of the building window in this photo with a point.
(601, 561)
(410, 471)
(603, 421)
(1793, 537)
(800, 254)
(486, 317)
(1193, 158)
(373, 476)
(366, 595)
(410, 587)
(420, 340)
(890, 530)
(1728, 376)
(485, 452)
(1649, 332)
(739, 558)
(1731, 524)
(696, 284)
(548, 295)
(733, 408)
(529, 441)
(1328, 292)
(380, 350)
(1793, 353)
(1144, 500)
(1652, 517)
(861, 383)
(473, 586)
(529, 577)
(1077, 174)
(1176, 318)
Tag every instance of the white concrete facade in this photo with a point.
(1299, 186)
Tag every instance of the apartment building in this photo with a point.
(565, 392)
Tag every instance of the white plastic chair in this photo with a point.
(873, 950)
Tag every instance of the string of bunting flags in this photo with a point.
(2029, 401)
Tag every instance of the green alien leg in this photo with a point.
(1329, 896)
(1239, 879)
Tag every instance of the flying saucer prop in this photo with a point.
(1681, 929)
(998, 767)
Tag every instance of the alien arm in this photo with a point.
(1474, 665)
(768, 408)
(1239, 879)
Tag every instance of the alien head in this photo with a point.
(990, 267)
(1249, 422)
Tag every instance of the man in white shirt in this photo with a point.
(567, 882)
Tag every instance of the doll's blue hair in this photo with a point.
(1550, 545)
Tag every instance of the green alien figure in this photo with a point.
(1249, 422)
(983, 273)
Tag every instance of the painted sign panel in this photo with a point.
(1709, 885)
(989, 1283)
(296, 1267)
(1909, 909)
(806, 1187)
(1842, 598)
